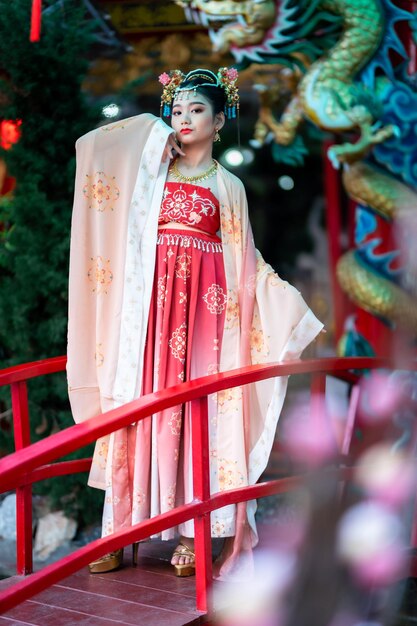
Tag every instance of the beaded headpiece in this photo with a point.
(225, 79)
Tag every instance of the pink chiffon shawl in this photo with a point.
(118, 191)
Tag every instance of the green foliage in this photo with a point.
(42, 87)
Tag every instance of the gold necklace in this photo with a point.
(192, 179)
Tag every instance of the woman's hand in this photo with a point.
(171, 149)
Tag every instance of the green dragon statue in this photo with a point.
(340, 52)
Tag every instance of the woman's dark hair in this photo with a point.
(206, 83)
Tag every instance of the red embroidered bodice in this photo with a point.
(190, 204)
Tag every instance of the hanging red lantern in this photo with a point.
(9, 133)
(35, 27)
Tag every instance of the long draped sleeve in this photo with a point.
(267, 321)
(118, 170)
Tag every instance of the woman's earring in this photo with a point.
(216, 136)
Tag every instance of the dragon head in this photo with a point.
(260, 31)
(235, 24)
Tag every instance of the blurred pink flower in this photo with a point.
(370, 540)
(307, 437)
(383, 569)
(260, 599)
(385, 475)
(381, 395)
(164, 79)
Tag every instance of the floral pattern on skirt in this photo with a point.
(151, 469)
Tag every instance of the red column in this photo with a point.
(333, 193)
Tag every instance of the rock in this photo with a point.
(41, 506)
(8, 517)
(53, 530)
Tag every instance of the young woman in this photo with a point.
(166, 286)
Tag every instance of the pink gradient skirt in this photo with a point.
(152, 470)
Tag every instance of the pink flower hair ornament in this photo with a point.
(226, 79)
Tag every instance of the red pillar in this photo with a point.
(333, 197)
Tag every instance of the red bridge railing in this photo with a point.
(32, 462)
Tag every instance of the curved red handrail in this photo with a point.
(26, 371)
(60, 444)
(23, 467)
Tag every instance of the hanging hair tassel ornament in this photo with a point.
(227, 79)
(35, 23)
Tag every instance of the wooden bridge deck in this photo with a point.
(149, 594)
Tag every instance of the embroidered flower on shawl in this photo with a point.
(229, 476)
(101, 452)
(175, 423)
(228, 400)
(177, 343)
(101, 191)
(274, 280)
(231, 229)
(262, 266)
(215, 299)
(139, 497)
(99, 356)
(100, 274)
(169, 499)
(103, 448)
(251, 285)
(258, 341)
(228, 395)
(232, 310)
(162, 292)
(218, 529)
(119, 454)
(115, 125)
(183, 266)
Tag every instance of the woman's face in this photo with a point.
(193, 120)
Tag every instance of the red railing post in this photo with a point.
(201, 484)
(24, 561)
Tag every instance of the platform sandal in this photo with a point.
(112, 561)
(184, 569)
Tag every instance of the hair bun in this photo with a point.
(206, 75)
